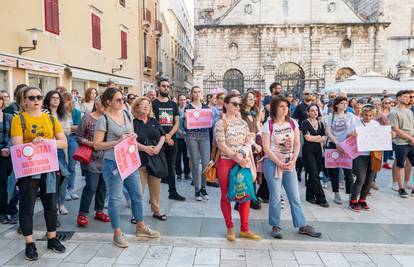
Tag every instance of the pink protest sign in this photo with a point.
(199, 118)
(127, 157)
(29, 159)
(350, 147)
(335, 159)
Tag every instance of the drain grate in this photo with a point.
(60, 235)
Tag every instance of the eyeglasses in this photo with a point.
(35, 97)
(55, 98)
(118, 100)
(254, 99)
(387, 103)
(307, 94)
(235, 104)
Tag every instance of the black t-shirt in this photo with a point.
(300, 113)
(149, 134)
(307, 128)
(165, 113)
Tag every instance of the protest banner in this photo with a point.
(374, 138)
(350, 147)
(336, 159)
(199, 118)
(30, 159)
(127, 157)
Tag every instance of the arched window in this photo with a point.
(344, 73)
(233, 79)
(292, 78)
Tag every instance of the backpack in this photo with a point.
(292, 125)
(106, 122)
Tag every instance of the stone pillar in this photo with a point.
(329, 69)
(269, 74)
(404, 67)
(198, 71)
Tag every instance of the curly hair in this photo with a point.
(60, 109)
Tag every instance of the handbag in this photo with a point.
(157, 165)
(84, 152)
(240, 185)
(209, 171)
(376, 160)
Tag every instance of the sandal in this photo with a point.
(101, 216)
(82, 221)
(161, 217)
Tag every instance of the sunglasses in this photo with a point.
(235, 104)
(307, 94)
(35, 97)
(118, 100)
(387, 103)
(411, 96)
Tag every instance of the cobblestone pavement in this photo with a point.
(193, 235)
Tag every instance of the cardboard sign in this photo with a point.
(127, 157)
(350, 147)
(29, 159)
(335, 159)
(199, 118)
(374, 138)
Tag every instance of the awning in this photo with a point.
(30, 63)
(89, 75)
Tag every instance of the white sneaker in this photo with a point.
(68, 197)
(198, 196)
(63, 210)
(395, 186)
(204, 194)
(73, 195)
(325, 185)
(408, 185)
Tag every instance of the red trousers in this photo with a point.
(223, 167)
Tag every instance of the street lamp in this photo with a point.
(122, 62)
(24, 49)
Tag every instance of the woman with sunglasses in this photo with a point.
(53, 103)
(338, 126)
(251, 115)
(110, 130)
(36, 127)
(8, 210)
(362, 164)
(233, 138)
(281, 144)
(95, 183)
(198, 146)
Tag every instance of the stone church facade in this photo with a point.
(241, 44)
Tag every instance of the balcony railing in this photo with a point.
(158, 27)
(147, 62)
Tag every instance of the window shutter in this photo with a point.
(124, 47)
(52, 16)
(96, 32)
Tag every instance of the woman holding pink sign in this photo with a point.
(110, 130)
(34, 126)
(198, 144)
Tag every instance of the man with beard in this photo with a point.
(167, 113)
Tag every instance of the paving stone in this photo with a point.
(206, 265)
(158, 252)
(258, 255)
(405, 261)
(153, 263)
(12, 249)
(285, 263)
(132, 255)
(232, 263)
(109, 251)
(207, 256)
(356, 257)
(282, 255)
(101, 262)
(233, 254)
(304, 257)
(182, 257)
(71, 264)
(83, 253)
(46, 262)
(333, 259)
(384, 260)
(362, 264)
(69, 248)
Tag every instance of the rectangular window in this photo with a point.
(124, 47)
(96, 32)
(122, 2)
(52, 16)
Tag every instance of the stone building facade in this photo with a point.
(302, 44)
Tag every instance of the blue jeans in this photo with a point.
(72, 146)
(290, 183)
(198, 148)
(63, 182)
(95, 186)
(114, 186)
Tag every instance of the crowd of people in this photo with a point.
(285, 139)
